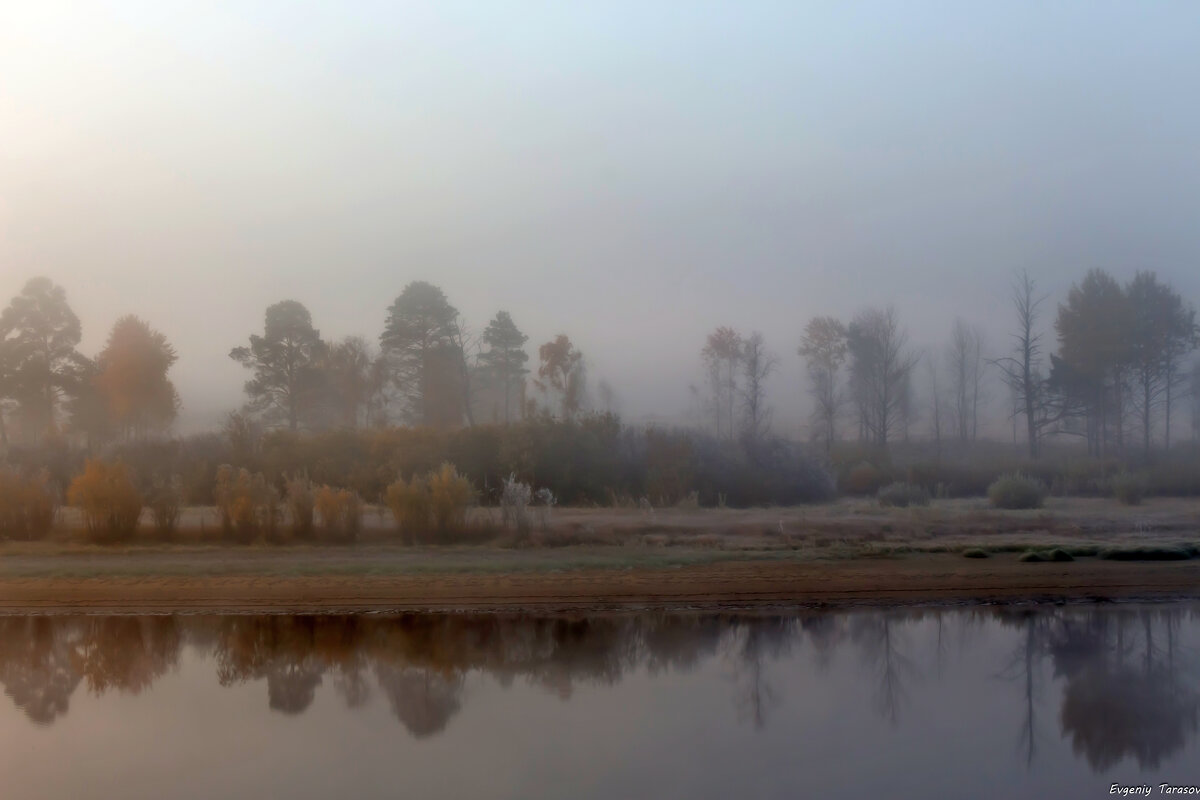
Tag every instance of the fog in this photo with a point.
(631, 174)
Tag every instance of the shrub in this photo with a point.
(27, 506)
(340, 512)
(975, 552)
(546, 500)
(437, 501)
(165, 501)
(1016, 491)
(109, 501)
(300, 502)
(903, 495)
(410, 505)
(1056, 554)
(247, 504)
(1128, 488)
(449, 495)
(863, 478)
(514, 504)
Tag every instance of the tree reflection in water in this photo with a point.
(1125, 694)
(1126, 682)
(37, 666)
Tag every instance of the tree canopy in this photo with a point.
(418, 343)
(505, 358)
(283, 360)
(39, 362)
(131, 375)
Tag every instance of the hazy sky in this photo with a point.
(632, 174)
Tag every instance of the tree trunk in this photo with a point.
(1146, 417)
(1167, 428)
(1030, 422)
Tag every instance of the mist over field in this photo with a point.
(599, 399)
(632, 175)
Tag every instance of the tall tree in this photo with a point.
(758, 363)
(39, 334)
(722, 355)
(418, 338)
(91, 416)
(562, 372)
(1022, 371)
(824, 350)
(131, 375)
(8, 387)
(1194, 395)
(936, 405)
(965, 361)
(1095, 334)
(463, 343)
(352, 381)
(1163, 333)
(284, 360)
(880, 367)
(505, 359)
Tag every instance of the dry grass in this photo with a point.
(848, 529)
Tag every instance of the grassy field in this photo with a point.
(606, 538)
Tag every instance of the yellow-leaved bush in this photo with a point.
(108, 499)
(438, 501)
(339, 512)
(248, 505)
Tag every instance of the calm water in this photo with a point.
(976, 702)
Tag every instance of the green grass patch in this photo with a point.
(1149, 553)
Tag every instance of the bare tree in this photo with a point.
(965, 360)
(1022, 371)
(880, 369)
(936, 406)
(722, 354)
(466, 349)
(1195, 398)
(757, 365)
(824, 350)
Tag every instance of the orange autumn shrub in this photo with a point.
(110, 503)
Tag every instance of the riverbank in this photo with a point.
(851, 552)
(929, 578)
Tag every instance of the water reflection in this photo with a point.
(1121, 679)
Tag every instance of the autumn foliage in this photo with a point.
(132, 377)
(110, 502)
(339, 512)
(449, 494)
(437, 501)
(248, 505)
(410, 505)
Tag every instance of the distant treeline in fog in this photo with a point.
(1093, 386)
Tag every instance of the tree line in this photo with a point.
(427, 368)
(1114, 381)
(1118, 369)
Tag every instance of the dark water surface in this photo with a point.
(978, 702)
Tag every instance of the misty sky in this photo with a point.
(632, 174)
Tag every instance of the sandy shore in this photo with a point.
(927, 579)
